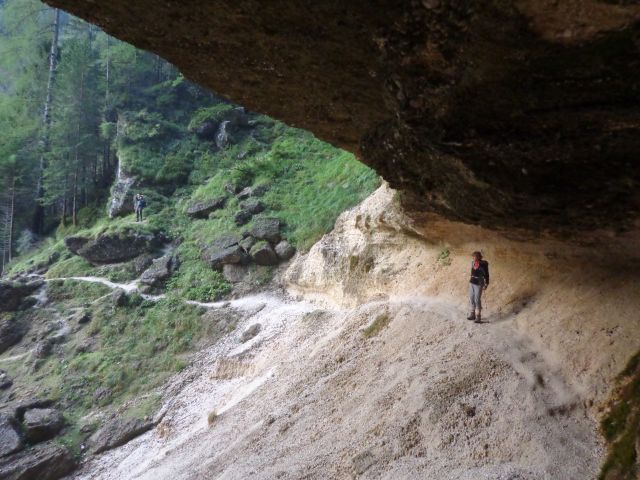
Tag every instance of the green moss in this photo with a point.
(621, 426)
(381, 321)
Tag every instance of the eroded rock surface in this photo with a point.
(513, 113)
(46, 461)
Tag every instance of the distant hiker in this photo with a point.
(478, 282)
(138, 205)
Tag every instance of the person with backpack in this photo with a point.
(478, 283)
(138, 205)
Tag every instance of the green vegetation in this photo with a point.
(380, 322)
(621, 426)
(444, 257)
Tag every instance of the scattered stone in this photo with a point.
(159, 271)
(42, 424)
(223, 250)
(234, 273)
(263, 254)
(250, 332)
(13, 293)
(284, 250)
(101, 393)
(11, 332)
(10, 440)
(118, 432)
(43, 349)
(46, 461)
(266, 228)
(87, 345)
(142, 262)
(119, 298)
(244, 193)
(203, 209)
(81, 316)
(5, 380)
(242, 217)
(247, 242)
(253, 206)
(362, 462)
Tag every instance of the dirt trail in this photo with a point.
(429, 395)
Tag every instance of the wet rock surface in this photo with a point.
(516, 113)
(13, 293)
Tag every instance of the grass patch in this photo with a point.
(71, 267)
(380, 322)
(621, 426)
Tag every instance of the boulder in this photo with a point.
(10, 440)
(223, 250)
(250, 332)
(266, 228)
(21, 408)
(142, 262)
(252, 205)
(246, 192)
(13, 293)
(118, 432)
(242, 217)
(81, 316)
(159, 271)
(121, 200)
(203, 209)
(284, 250)
(113, 248)
(119, 298)
(260, 190)
(234, 273)
(263, 254)
(5, 380)
(46, 461)
(42, 424)
(206, 130)
(43, 348)
(11, 332)
(248, 242)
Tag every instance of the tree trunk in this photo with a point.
(74, 216)
(38, 218)
(12, 207)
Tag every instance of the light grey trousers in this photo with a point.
(475, 297)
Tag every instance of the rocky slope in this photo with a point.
(371, 370)
(503, 113)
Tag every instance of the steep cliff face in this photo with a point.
(503, 113)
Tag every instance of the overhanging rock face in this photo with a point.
(520, 113)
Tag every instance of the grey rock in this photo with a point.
(234, 273)
(142, 262)
(101, 393)
(23, 406)
(245, 193)
(43, 348)
(242, 217)
(266, 228)
(253, 206)
(11, 332)
(42, 424)
(263, 254)
(223, 250)
(14, 293)
(159, 271)
(363, 461)
(10, 440)
(222, 136)
(118, 432)
(46, 461)
(248, 242)
(207, 130)
(203, 209)
(250, 332)
(5, 380)
(81, 316)
(113, 248)
(260, 190)
(121, 200)
(285, 250)
(119, 298)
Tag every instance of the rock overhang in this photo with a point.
(504, 113)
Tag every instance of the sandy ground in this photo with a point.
(431, 396)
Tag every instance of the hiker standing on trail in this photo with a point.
(478, 282)
(138, 205)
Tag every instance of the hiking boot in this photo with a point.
(471, 316)
(478, 318)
